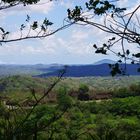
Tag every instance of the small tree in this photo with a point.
(83, 95)
(64, 100)
(83, 88)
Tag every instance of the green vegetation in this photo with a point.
(63, 115)
(108, 120)
(82, 92)
(20, 87)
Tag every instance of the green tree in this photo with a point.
(64, 100)
(83, 88)
(83, 92)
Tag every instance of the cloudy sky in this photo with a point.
(70, 46)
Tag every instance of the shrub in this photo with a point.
(83, 88)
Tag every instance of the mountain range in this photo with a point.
(104, 61)
(92, 70)
(100, 68)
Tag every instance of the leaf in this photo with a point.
(28, 18)
(22, 27)
(35, 25)
(120, 61)
(132, 62)
(137, 55)
(95, 3)
(43, 28)
(122, 55)
(119, 53)
(104, 45)
(2, 29)
(46, 22)
(7, 33)
(113, 38)
(94, 46)
(127, 52)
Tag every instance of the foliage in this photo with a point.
(72, 119)
(19, 88)
(118, 21)
(34, 29)
(64, 101)
(83, 88)
(83, 95)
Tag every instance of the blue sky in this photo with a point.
(69, 46)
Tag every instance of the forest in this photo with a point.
(75, 109)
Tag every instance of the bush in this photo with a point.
(135, 88)
(122, 92)
(83, 95)
(64, 100)
(83, 88)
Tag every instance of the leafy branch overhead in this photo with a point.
(29, 29)
(124, 26)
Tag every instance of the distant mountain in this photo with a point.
(6, 70)
(105, 61)
(41, 70)
(91, 70)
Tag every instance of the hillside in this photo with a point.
(7, 70)
(91, 70)
(21, 84)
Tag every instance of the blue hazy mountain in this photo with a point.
(91, 70)
(15, 69)
(104, 61)
(99, 68)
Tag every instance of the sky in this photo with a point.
(69, 46)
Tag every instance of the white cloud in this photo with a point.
(122, 3)
(79, 35)
(76, 43)
(44, 6)
(67, 4)
(15, 49)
